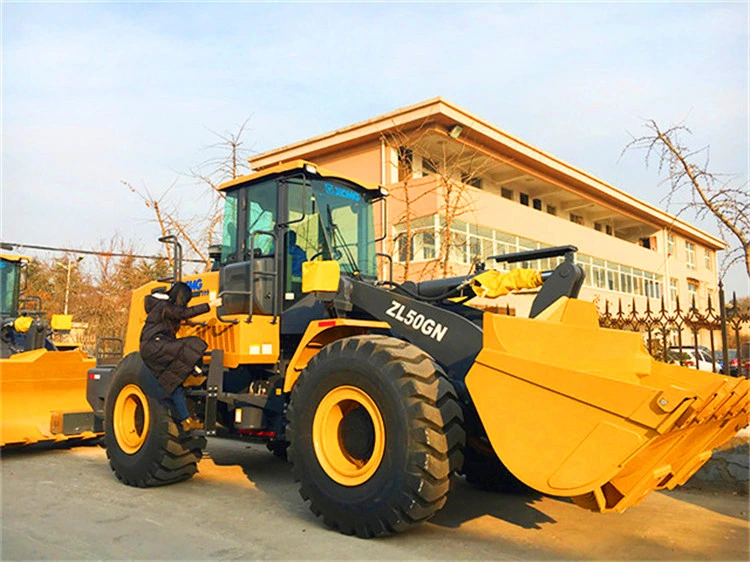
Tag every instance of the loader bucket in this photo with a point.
(576, 410)
(43, 397)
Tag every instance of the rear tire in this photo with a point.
(144, 446)
(375, 432)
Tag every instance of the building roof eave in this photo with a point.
(444, 110)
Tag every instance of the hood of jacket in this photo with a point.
(153, 299)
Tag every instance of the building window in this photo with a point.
(423, 243)
(652, 285)
(670, 244)
(674, 293)
(578, 219)
(552, 210)
(471, 180)
(525, 199)
(423, 246)
(537, 204)
(403, 249)
(645, 242)
(429, 166)
(405, 162)
(506, 193)
(709, 262)
(692, 292)
(458, 248)
(626, 279)
(638, 285)
(598, 226)
(690, 257)
(612, 280)
(469, 241)
(598, 271)
(475, 248)
(608, 229)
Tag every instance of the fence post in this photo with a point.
(724, 335)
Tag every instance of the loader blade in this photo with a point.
(39, 390)
(576, 410)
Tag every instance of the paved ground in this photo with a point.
(65, 504)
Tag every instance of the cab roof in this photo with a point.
(14, 257)
(298, 165)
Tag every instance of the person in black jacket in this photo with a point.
(172, 360)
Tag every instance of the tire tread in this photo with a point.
(174, 457)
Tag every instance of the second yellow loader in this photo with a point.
(42, 389)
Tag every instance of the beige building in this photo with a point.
(464, 189)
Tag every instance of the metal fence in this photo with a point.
(722, 326)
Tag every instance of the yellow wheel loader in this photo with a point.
(377, 392)
(42, 388)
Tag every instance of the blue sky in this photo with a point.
(96, 93)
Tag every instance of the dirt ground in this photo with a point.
(244, 504)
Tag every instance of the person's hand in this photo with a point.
(215, 303)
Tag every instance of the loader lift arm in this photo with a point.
(450, 332)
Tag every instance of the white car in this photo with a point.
(688, 358)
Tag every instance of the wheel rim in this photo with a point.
(131, 419)
(348, 435)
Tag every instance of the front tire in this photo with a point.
(144, 446)
(375, 432)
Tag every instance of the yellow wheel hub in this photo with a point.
(348, 435)
(131, 419)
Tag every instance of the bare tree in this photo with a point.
(457, 170)
(406, 193)
(168, 216)
(200, 231)
(229, 162)
(454, 167)
(719, 195)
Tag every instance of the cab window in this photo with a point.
(346, 219)
(303, 240)
(8, 287)
(261, 216)
(229, 229)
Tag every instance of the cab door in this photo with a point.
(249, 250)
(303, 241)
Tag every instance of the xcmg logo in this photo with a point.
(195, 284)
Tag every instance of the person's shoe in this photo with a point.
(192, 427)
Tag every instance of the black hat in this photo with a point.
(180, 293)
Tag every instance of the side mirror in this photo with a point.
(214, 252)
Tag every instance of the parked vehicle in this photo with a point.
(734, 364)
(42, 386)
(687, 357)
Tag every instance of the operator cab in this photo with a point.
(309, 212)
(15, 334)
(10, 268)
